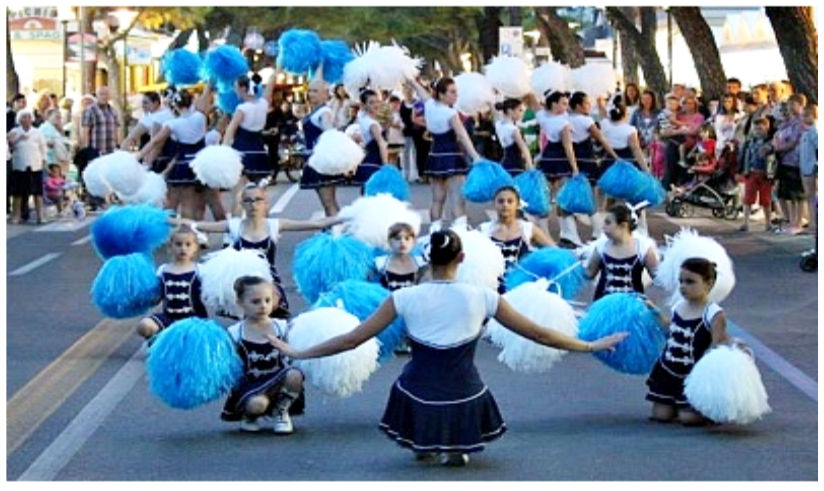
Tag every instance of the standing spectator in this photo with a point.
(41, 105)
(689, 122)
(529, 124)
(28, 159)
(632, 98)
(725, 122)
(52, 131)
(734, 89)
(340, 105)
(409, 155)
(420, 137)
(394, 134)
(101, 126)
(18, 103)
(645, 119)
(65, 107)
(788, 173)
(758, 176)
(776, 95)
(809, 161)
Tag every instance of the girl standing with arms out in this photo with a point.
(372, 131)
(513, 235)
(696, 326)
(259, 232)
(318, 121)
(622, 258)
(441, 385)
(516, 152)
(181, 285)
(245, 134)
(269, 387)
(446, 166)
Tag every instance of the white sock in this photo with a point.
(460, 222)
(435, 226)
(569, 230)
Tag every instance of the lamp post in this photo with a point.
(64, 14)
(669, 42)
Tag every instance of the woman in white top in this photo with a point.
(446, 166)
(441, 385)
(516, 152)
(28, 157)
(725, 123)
(377, 149)
(58, 146)
(188, 130)
(155, 113)
(245, 134)
(341, 106)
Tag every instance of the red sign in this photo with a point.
(89, 46)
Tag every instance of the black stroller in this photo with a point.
(715, 188)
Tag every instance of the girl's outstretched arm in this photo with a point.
(288, 225)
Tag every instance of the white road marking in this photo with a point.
(284, 200)
(35, 264)
(64, 226)
(83, 426)
(82, 241)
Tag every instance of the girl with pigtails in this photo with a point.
(446, 166)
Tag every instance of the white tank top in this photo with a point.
(254, 114)
(437, 116)
(552, 124)
(505, 130)
(580, 125)
(617, 134)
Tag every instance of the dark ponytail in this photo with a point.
(508, 104)
(444, 247)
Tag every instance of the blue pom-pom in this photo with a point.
(126, 286)
(299, 51)
(484, 179)
(192, 362)
(624, 312)
(560, 266)
(228, 101)
(652, 191)
(336, 54)
(362, 299)
(182, 67)
(224, 64)
(323, 261)
(387, 180)
(271, 48)
(534, 190)
(127, 229)
(576, 196)
(622, 180)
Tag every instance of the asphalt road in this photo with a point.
(79, 408)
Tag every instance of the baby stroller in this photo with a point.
(714, 188)
(70, 204)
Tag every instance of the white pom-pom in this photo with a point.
(483, 261)
(93, 178)
(370, 217)
(335, 153)
(356, 72)
(475, 93)
(219, 271)
(509, 75)
(533, 301)
(122, 172)
(391, 66)
(551, 76)
(688, 243)
(725, 386)
(218, 166)
(339, 375)
(595, 79)
(152, 192)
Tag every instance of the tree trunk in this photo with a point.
(643, 43)
(12, 79)
(516, 17)
(89, 67)
(563, 42)
(705, 56)
(488, 35)
(798, 42)
(629, 55)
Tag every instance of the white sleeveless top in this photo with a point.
(437, 116)
(189, 127)
(552, 124)
(505, 130)
(254, 114)
(617, 134)
(580, 125)
(365, 122)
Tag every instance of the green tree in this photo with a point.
(798, 42)
(642, 41)
(705, 55)
(563, 42)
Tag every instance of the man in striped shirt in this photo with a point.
(101, 125)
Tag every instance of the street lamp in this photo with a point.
(64, 14)
(669, 42)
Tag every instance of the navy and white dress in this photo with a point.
(618, 135)
(189, 132)
(621, 275)
(513, 249)
(268, 246)
(688, 340)
(372, 162)
(264, 370)
(312, 129)
(152, 123)
(395, 281)
(553, 161)
(249, 139)
(181, 297)
(513, 162)
(583, 145)
(439, 403)
(445, 157)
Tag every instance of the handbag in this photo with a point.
(771, 165)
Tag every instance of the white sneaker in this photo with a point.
(250, 425)
(283, 423)
(454, 459)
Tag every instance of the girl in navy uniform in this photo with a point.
(181, 285)
(372, 132)
(269, 388)
(447, 165)
(513, 235)
(245, 134)
(516, 153)
(318, 121)
(399, 269)
(622, 258)
(440, 403)
(696, 326)
(259, 232)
